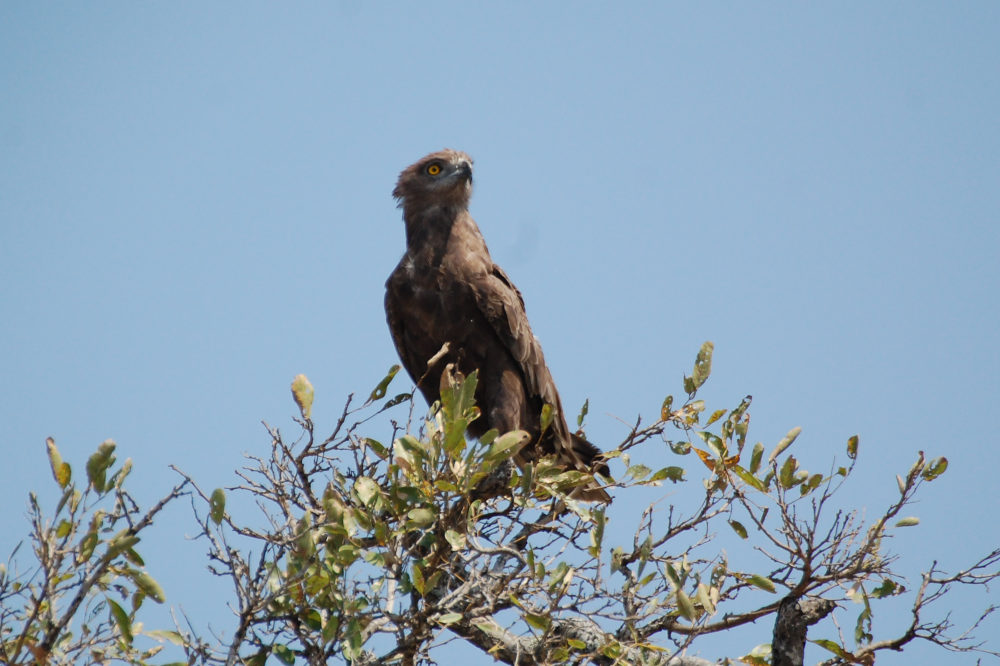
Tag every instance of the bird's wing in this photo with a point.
(502, 305)
(395, 322)
(414, 365)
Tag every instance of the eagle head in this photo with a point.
(443, 178)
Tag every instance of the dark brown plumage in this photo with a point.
(446, 289)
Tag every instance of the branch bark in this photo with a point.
(795, 615)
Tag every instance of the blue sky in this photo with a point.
(195, 207)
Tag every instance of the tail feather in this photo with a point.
(590, 455)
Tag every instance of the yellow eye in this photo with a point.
(434, 169)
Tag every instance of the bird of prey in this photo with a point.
(448, 303)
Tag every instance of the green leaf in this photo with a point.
(748, 478)
(120, 542)
(935, 468)
(681, 448)
(540, 622)
(302, 392)
(638, 472)
(90, 540)
(665, 412)
(759, 656)
(379, 391)
(259, 659)
(366, 489)
(487, 627)
(148, 585)
(98, 464)
(455, 540)
(446, 486)
(612, 650)
(466, 398)
(812, 484)
(702, 369)
(64, 528)
(671, 572)
(450, 618)
(316, 584)
(762, 582)
(528, 480)
(597, 533)
(87, 545)
(121, 619)
(692, 410)
(283, 653)
(755, 661)
(714, 443)
(70, 495)
(118, 480)
(166, 635)
(888, 588)
(862, 630)
(737, 414)
(352, 640)
(560, 576)
(377, 447)
(685, 606)
(785, 442)
(548, 413)
(458, 398)
(217, 505)
(330, 630)
(716, 415)
(417, 578)
(312, 619)
(60, 470)
(835, 648)
(852, 447)
(347, 553)
(755, 458)
(703, 596)
(420, 518)
(787, 474)
(412, 445)
(507, 445)
(454, 438)
(738, 528)
(583, 413)
(675, 474)
(398, 399)
(908, 522)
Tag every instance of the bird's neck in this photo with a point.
(431, 231)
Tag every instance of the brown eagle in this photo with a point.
(447, 302)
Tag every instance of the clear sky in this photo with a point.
(195, 207)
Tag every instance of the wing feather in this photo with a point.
(502, 305)
(408, 352)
